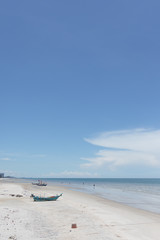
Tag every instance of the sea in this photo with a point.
(143, 193)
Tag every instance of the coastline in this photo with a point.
(96, 217)
(139, 193)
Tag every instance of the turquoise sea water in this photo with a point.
(139, 193)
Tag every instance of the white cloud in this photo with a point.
(6, 156)
(137, 146)
(5, 159)
(72, 174)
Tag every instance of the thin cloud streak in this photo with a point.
(72, 174)
(136, 146)
(7, 155)
(5, 159)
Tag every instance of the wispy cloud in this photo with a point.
(72, 174)
(9, 155)
(5, 159)
(136, 146)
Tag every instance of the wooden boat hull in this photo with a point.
(42, 199)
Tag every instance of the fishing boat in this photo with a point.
(42, 199)
(40, 183)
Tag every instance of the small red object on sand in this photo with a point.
(74, 225)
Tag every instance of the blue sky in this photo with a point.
(79, 88)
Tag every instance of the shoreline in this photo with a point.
(96, 217)
(138, 199)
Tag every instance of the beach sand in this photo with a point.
(96, 218)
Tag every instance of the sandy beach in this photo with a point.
(96, 218)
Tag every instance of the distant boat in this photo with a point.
(40, 183)
(42, 199)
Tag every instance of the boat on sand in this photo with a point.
(42, 199)
(40, 183)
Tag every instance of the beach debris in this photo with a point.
(74, 225)
(13, 237)
(19, 195)
(12, 195)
